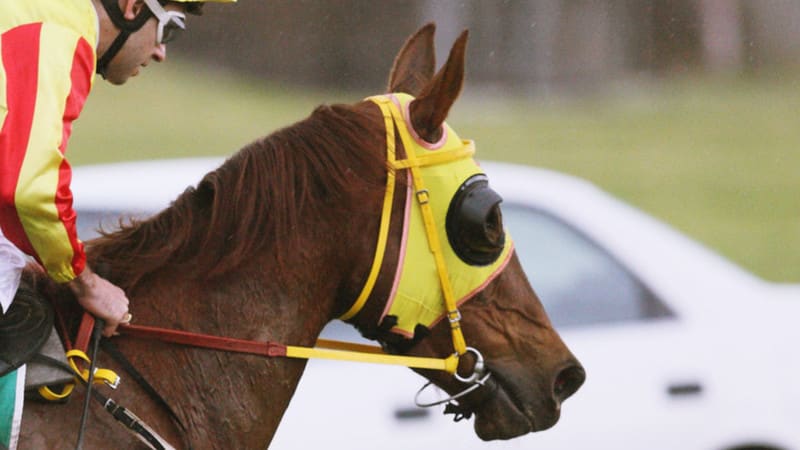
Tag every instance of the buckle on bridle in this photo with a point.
(475, 380)
(423, 196)
(455, 317)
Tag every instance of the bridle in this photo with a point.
(394, 108)
(336, 350)
(452, 293)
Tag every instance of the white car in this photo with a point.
(683, 349)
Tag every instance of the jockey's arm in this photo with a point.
(49, 71)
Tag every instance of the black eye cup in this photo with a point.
(474, 222)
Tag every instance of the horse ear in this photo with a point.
(414, 66)
(430, 109)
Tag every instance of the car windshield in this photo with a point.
(578, 282)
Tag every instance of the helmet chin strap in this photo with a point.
(126, 27)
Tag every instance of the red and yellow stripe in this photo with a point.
(48, 71)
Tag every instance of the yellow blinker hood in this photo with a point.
(422, 284)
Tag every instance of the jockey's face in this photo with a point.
(141, 47)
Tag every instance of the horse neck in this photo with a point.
(243, 397)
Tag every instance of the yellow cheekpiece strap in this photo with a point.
(434, 244)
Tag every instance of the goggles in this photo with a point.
(170, 23)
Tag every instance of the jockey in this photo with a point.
(49, 52)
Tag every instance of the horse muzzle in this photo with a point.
(516, 407)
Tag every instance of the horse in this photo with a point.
(280, 240)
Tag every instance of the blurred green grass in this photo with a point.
(716, 157)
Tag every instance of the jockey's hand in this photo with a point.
(101, 298)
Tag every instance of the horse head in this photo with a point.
(525, 371)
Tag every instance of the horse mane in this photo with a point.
(306, 175)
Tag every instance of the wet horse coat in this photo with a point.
(277, 242)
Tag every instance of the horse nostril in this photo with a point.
(568, 381)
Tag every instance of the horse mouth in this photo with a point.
(508, 413)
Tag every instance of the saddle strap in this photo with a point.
(123, 415)
(136, 426)
(112, 349)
